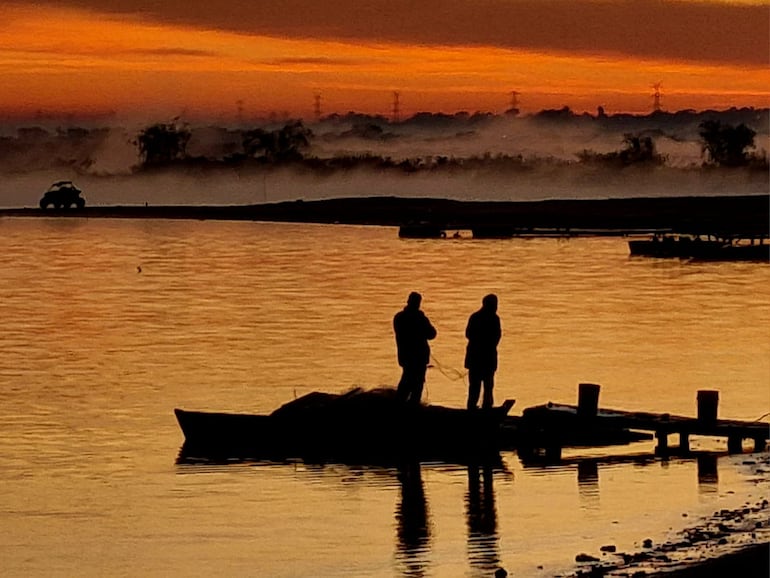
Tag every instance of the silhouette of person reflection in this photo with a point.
(483, 333)
(413, 331)
(412, 518)
(482, 519)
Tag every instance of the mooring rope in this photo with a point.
(448, 372)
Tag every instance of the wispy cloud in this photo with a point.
(143, 55)
(687, 30)
(175, 52)
(315, 60)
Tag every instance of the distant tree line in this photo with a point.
(162, 144)
(725, 138)
(636, 150)
(722, 145)
(166, 143)
(726, 145)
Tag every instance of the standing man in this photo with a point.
(413, 331)
(483, 333)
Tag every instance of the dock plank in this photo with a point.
(553, 417)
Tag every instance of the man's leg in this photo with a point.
(489, 385)
(474, 389)
(418, 382)
(402, 392)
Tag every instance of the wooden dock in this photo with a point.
(550, 426)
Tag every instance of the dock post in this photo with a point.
(553, 452)
(734, 444)
(708, 404)
(662, 437)
(588, 400)
(684, 442)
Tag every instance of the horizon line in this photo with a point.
(282, 116)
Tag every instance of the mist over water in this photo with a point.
(104, 161)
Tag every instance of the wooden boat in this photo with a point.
(359, 425)
(685, 247)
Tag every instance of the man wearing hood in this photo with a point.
(483, 333)
(413, 331)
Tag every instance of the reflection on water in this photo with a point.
(418, 529)
(412, 521)
(247, 316)
(708, 473)
(481, 511)
(588, 470)
(588, 482)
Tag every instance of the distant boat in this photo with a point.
(364, 425)
(686, 247)
(426, 230)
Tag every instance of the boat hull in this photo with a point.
(357, 427)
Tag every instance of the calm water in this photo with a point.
(109, 325)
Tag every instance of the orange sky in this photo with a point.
(199, 58)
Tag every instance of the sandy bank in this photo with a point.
(751, 561)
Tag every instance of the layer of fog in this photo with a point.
(25, 190)
(103, 162)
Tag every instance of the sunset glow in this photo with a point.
(79, 61)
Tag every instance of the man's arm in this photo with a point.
(430, 331)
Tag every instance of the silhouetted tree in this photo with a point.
(366, 131)
(726, 145)
(162, 143)
(281, 145)
(638, 149)
(552, 114)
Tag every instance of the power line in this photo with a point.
(656, 96)
(317, 106)
(396, 106)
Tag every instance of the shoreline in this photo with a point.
(732, 541)
(745, 216)
(752, 561)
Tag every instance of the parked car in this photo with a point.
(62, 195)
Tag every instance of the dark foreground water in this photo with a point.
(109, 325)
